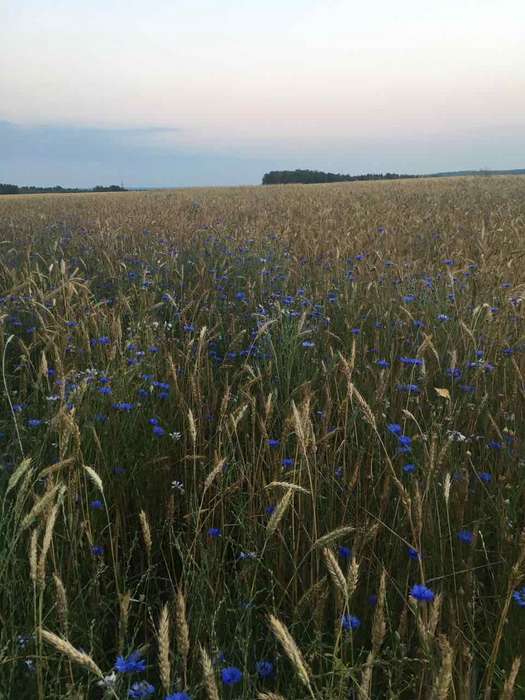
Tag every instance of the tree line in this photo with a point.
(282, 177)
(31, 189)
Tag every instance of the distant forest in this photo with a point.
(306, 177)
(16, 189)
(283, 177)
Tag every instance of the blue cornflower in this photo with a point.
(495, 445)
(264, 669)
(287, 462)
(408, 388)
(124, 406)
(272, 442)
(372, 599)
(103, 340)
(141, 689)
(420, 592)
(189, 327)
(394, 428)
(214, 532)
(355, 331)
(454, 372)
(231, 675)
(130, 664)
(409, 468)
(178, 696)
(96, 504)
(308, 343)
(467, 388)
(519, 597)
(413, 553)
(97, 550)
(158, 431)
(240, 296)
(105, 390)
(414, 361)
(344, 552)
(443, 317)
(34, 422)
(384, 364)
(465, 536)
(244, 556)
(153, 421)
(486, 477)
(350, 622)
(408, 298)
(405, 441)
(161, 385)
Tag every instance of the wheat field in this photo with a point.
(264, 442)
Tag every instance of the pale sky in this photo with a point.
(195, 92)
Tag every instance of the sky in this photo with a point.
(200, 92)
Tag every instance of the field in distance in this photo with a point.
(264, 442)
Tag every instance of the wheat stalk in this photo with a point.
(333, 536)
(209, 676)
(61, 599)
(367, 411)
(183, 635)
(65, 647)
(279, 512)
(33, 556)
(95, 478)
(213, 474)
(164, 649)
(443, 681)
(123, 620)
(366, 678)
(508, 689)
(193, 427)
(18, 474)
(40, 506)
(46, 543)
(379, 624)
(336, 574)
(434, 614)
(353, 576)
(291, 650)
(146, 532)
(287, 485)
